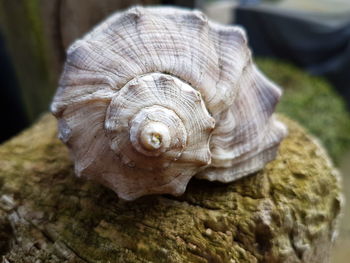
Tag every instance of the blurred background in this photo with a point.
(304, 46)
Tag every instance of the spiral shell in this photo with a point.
(153, 96)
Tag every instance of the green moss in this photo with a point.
(313, 103)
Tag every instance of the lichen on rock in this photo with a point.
(285, 213)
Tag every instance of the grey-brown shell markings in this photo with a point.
(154, 96)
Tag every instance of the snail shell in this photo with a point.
(153, 96)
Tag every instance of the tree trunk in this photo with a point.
(38, 33)
(284, 213)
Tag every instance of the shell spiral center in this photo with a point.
(154, 135)
(155, 130)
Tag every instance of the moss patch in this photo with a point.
(313, 103)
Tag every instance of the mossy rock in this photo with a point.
(313, 103)
(285, 213)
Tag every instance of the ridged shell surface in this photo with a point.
(153, 96)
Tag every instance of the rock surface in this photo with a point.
(284, 213)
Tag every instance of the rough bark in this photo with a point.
(284, 213)
(37, 34)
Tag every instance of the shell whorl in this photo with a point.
(151, 116)
(153, 96)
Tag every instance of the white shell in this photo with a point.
(154, 96)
